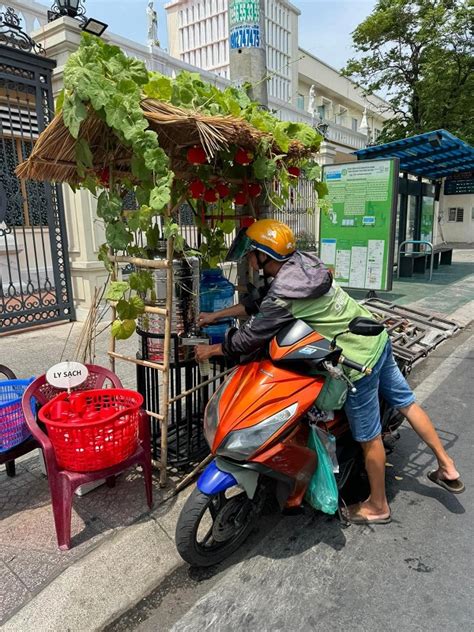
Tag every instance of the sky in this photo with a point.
(325, 26)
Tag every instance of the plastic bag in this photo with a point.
(322, 492)
(329, 442)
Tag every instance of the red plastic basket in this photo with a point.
(87, 446)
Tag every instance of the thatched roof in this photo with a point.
(53, 156)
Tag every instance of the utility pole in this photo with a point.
(248, 64)
(247, 47)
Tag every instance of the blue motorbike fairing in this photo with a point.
(213, 480)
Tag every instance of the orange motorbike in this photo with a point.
(257, 426)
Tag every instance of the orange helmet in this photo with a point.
(272, 238)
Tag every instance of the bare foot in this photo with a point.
(367, 511)
(448, 472)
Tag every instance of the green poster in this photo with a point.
(357, 236)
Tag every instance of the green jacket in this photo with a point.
(304, 289)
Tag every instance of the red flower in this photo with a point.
(104, 176)
(243, 157)
(254, 189)
(245, 222)
(197, 188)
(211, 195)
(240, 198)
(294, 171)
(222, 189)
(196, 155)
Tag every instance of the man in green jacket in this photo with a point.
(303, 288)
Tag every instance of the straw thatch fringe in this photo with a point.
(54, 155)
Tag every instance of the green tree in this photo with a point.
(420, 54)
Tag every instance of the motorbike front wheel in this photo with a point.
(210, 528)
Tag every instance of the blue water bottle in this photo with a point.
(216, 293)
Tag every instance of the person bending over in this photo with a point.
(303, 288)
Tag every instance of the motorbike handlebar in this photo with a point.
(355, 365)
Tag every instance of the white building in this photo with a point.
(198, 34)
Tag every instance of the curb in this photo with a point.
(108, 581)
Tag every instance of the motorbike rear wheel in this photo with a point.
(210, 528)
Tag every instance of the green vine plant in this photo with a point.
(99, 78)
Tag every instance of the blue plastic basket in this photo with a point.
(13, 428)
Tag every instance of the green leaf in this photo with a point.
(74, 112)
(139, 169)
(160, 197)
(59, 102)
(312, 171)
(228, 226)
(125, 310)
(264, 168)
(159, 87)
(109, 206)
(179, 243)
(90, 183)
(121, 330)
(103, 256)
(83, 153)
(281, 137)
(141, 281)
(138, 304)
(118, 236)
(321, 188)
(116, 290)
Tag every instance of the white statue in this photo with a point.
(364, 125)
(312, 100)
(152, 25)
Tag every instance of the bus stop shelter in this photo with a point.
(425, 160)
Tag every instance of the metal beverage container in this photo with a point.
(185, 307)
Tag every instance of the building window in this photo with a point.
(354, 124)
(456, 214)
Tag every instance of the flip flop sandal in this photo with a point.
(366, 521)
(455, 487)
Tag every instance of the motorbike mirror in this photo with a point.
(363, 326)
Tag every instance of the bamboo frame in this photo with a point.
(200, 385)
(154, 415)
(147, 363)
(165, 397)
(113, 312)
(190, 477)
(156, 264)
(149, 309)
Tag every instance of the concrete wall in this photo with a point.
(456, 231)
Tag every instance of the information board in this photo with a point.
(357, 236)
(459, 184)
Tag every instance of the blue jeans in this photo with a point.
(363, 408)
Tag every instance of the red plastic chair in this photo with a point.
(62, 482)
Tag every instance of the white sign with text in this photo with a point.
(67, 375)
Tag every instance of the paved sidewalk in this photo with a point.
(120, 551)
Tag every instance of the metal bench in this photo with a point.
(443, 255)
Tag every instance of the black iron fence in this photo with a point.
(35, 285)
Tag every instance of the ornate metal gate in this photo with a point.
(35, 286)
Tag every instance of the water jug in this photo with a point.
(216, 293)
